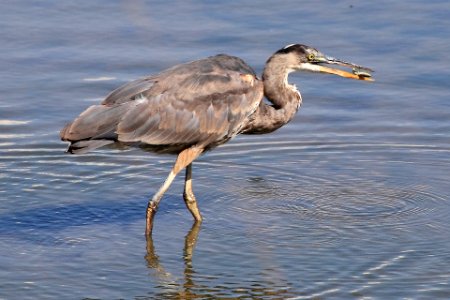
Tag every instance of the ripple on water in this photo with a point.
(311, 210)
(364, 215)
(364, 196)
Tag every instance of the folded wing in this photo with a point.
(203, 103)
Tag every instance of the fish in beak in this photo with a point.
(316, 64)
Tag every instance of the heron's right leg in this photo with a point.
(188, 195)
(184, 159)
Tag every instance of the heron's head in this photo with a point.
(304, 58)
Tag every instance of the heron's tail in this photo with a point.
(81, 147)
(93, 128)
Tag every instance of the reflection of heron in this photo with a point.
(194, 107)
(190, 241)
(187, 287)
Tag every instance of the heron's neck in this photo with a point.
(284, 98)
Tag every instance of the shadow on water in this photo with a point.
(39, 225)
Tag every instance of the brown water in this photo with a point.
(350, 200)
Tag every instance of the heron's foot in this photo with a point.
(151, 211)
(191, 204)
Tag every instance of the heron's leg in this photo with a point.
(152, 206)
(184, 159)
(189, 197)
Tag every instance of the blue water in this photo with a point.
(351, 200)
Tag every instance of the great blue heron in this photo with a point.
(194, 107)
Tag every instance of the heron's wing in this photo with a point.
(202, 102)
(129, 91)
(200, 109)
(99, 122)
(220, 63)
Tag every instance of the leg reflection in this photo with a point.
(153, 259)
(190, 241)
(189, 244)
(192, 285)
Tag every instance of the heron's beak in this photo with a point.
(358, 72)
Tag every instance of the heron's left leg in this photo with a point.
(188, 195)
(154, 202)
(185, 158)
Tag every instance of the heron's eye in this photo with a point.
(311, 56)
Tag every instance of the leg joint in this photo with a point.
(189, 197)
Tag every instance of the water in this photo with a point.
(351, 200)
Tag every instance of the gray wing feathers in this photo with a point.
(84, 146)
(128, 91)
(162, 123)
(203, 102)
(96, 122)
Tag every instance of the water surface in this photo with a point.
(349, 200)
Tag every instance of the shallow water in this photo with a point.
(349, 200)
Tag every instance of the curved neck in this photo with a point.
(284, 98)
